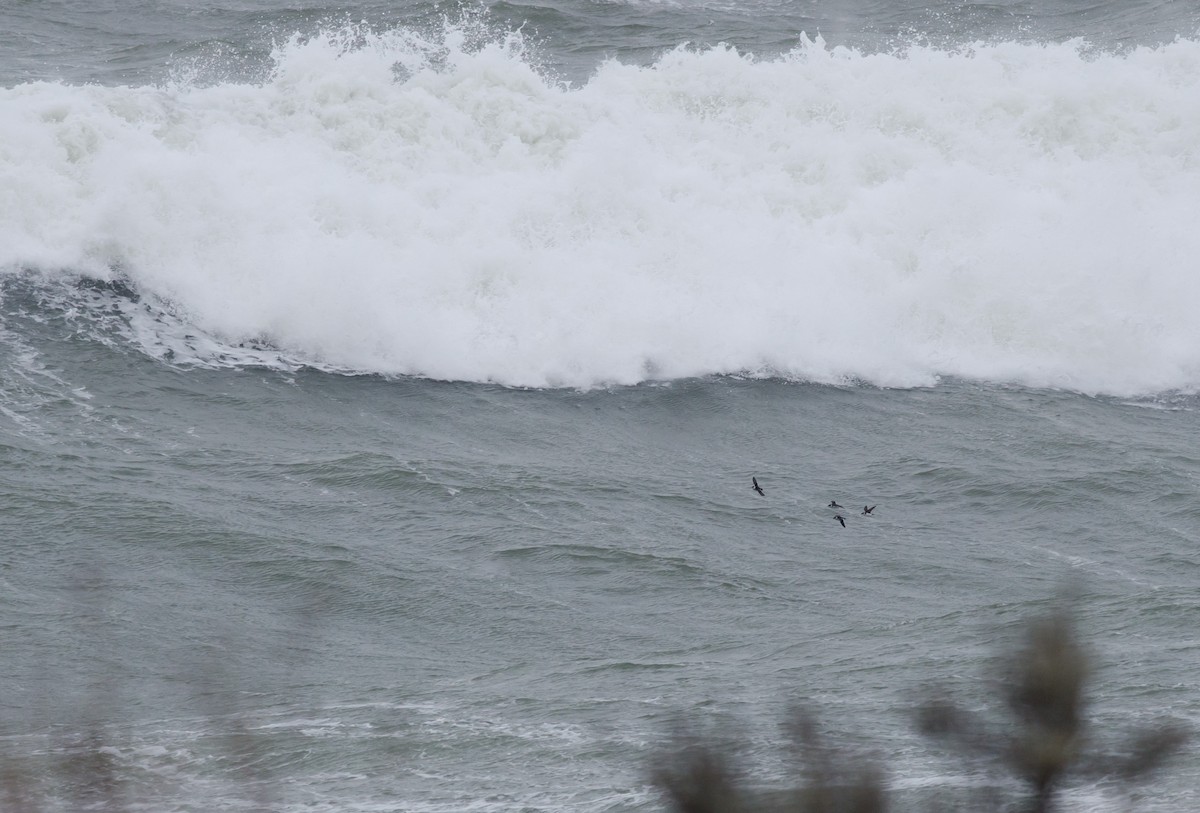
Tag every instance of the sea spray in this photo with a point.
(388, 203)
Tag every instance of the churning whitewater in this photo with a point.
(443, 208)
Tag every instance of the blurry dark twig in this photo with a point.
(1044, 742)
(699, 775)
(834, 780)
(14, 783)
(91, 771)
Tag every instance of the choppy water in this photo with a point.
(380, 386)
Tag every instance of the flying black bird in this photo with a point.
(756, 487)
(840, 519)
(867, 510)
(834, 504)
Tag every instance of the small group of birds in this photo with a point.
(867, 509)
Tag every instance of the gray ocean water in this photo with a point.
(250, 563)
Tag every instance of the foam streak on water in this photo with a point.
(391, 204)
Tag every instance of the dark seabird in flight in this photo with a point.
(867, 510)
(840, 519)
(756, 488)
(834, 504)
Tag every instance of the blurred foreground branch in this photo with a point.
(1044, 740)
(701, 776)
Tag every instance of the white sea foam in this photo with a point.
(384, 203)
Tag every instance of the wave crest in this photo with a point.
(441, 207)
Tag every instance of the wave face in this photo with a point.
(404, 205)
